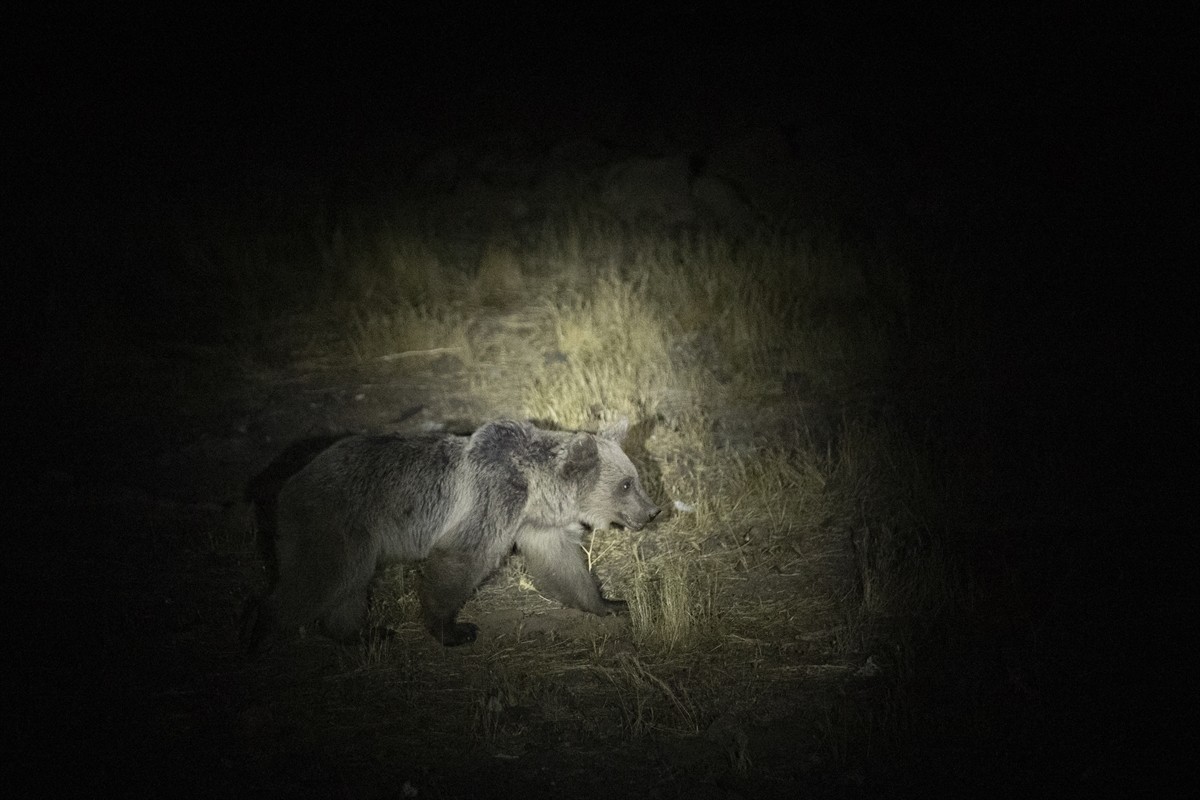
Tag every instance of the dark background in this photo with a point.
(1058, 139)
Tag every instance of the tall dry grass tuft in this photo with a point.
(672, 606)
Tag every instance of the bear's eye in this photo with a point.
(625, 486)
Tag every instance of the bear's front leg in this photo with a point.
(559, 569)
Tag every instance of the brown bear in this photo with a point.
(459, 504)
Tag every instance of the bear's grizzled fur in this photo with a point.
(460, 504)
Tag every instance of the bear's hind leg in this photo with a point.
(344, 620)
(449, 578)
(260, 624)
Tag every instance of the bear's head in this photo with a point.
(610, 491)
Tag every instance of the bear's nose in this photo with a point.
(654, 512)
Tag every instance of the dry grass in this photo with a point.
(673, 606)
(407, 329)
(651, 702)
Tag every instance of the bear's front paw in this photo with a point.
(456, 633)
(616, 607)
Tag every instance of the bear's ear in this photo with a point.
(615, 432)
(581, 455)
